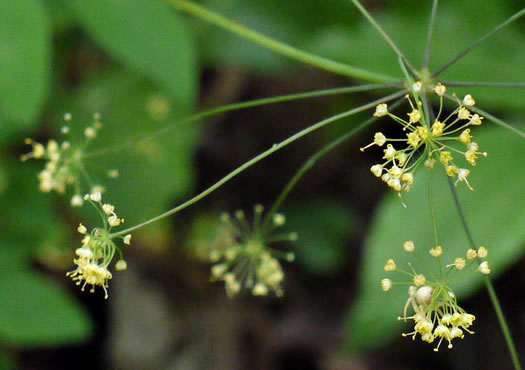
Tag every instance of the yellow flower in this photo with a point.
(248, 261)
(437, 316)
(436, 251)
(469, 100)
(440, 89)
(413, 139)
(409, 246)
(414, 116)
(97, 251)
(381, 110)
(390, 266)
(445, 158)
(437, 128)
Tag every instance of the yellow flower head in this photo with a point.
(97, 251)
(248, 261)
(436, 315)
(428, 142)
(64, 166)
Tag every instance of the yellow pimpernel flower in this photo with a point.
(98, 249)
(428, 142)
(437, 315)
(249, 262)
(64, 165)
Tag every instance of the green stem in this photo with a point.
(279, 47)
(244, 105)
(492, 118)
(488, 284)
(518, 85)
(310, 162)
(261, 156)
(387, 38)
(499, 122)
(434, 224)
(429, 35)
(478, 41)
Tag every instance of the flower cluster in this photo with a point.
(98, 249)
(427, 141)
(437, 315)
(64, 161)
(249, 261)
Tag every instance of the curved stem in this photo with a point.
(279, 47)
(259, 157)
(387, 38)
(310, 162)
(479, 41)
(488, 284)
(244, 105)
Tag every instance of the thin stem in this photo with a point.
(429, 35)
(243, 105)
(387, 38)
(499, 122)
(432, 213)
(310, 162)
(433, 217)
(503, 323)
(261, 156)
(279, 47)
(488, 284)
(492, 118)
(478, 41)
(485, 84)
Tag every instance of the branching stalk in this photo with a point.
(279, 47)
(239, 106)
(431, 23)
(479, 41)
(310, 162)
(387, 38)
(261, 156)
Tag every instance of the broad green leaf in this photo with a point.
(322, 226)
(27, 215)
(494, 212)
(146, 35)
(37, 312)
(152, 172)
(25, 63)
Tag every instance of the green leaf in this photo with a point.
(27, 215)
(147, 36)
(154, 171)
(495, 215)
(322, 227)
(36, 312)
(25, 63)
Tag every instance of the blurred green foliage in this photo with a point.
(323, 227)
(137, 62)
(25, 51)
